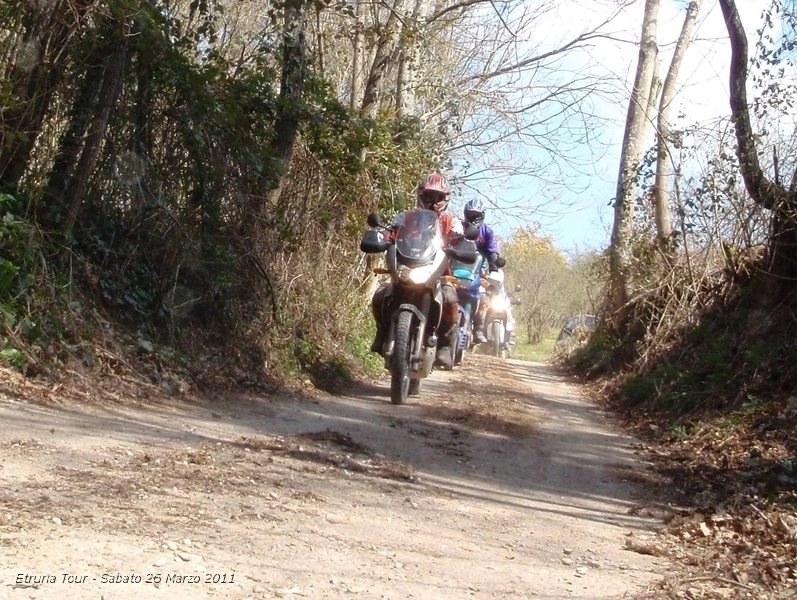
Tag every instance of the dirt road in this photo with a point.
(497, 482)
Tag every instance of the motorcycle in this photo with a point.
(466, 264)
(416, 262)
(499, 323)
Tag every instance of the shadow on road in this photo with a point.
(524, 439)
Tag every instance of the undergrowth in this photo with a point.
(709, 366)
(102, 306)
(733, 346)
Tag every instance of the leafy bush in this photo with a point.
(19, 249)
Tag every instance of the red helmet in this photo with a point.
(433, 193)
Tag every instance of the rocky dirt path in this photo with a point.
(499, 481)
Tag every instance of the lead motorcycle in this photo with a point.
(416, 262)
(499, 323)
(466, 265)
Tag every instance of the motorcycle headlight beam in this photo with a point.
(499, 303)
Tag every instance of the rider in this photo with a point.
(487, 245)
(432, 192)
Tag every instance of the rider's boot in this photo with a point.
(478, 328)
(379, 340)
(443, 357)
(378, 309)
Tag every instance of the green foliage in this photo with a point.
(599, 356)
(29, 301)
(359, 336)
(400, 155)
(731, 356)
(740, 415)
(302, 357)
(540, 352)
(19, 249)
(331, 134)
(553, 288)
(14, 357)
(178, 237)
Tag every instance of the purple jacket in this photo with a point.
(486, 242)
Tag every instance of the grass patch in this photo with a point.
(358, 342)
(541, 352)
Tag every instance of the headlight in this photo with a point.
(499, 303)
(419, 275)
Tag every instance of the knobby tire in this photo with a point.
(462, 344)
(402, 350)
(496, 341)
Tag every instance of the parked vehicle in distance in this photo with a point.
(575, 331)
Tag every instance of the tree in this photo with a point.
(661, 195)
(620, 250)
(37, 72)
(384, 52)
(294, 73)
(553, 288)
(781, 201)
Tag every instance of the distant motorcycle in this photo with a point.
(466, 263)
(499, 323)
(416, 262)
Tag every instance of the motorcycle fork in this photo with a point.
(419, 328)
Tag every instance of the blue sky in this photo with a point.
(581, 217)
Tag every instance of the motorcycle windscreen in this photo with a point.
(417, 237)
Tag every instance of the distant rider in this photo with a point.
(432, 194)
(487, 244)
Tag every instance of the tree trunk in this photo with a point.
(92, 107)
(405, 78)
(651, 104)
(782, 243)
(661, 193)
(294, 69)
(385, 49)
(141, 138)
(73, 138)
(355, 82)
(620, 251)
(112, 78)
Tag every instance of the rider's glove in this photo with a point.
(491, 261)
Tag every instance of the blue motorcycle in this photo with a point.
(466, 265)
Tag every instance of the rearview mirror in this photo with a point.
(374, 220)
(373, 241)
(518, 288)
(471, 231)
(500, 262)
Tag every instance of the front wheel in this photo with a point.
(497, 335)
(453, 344)
(402, 351)
(463, 338)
